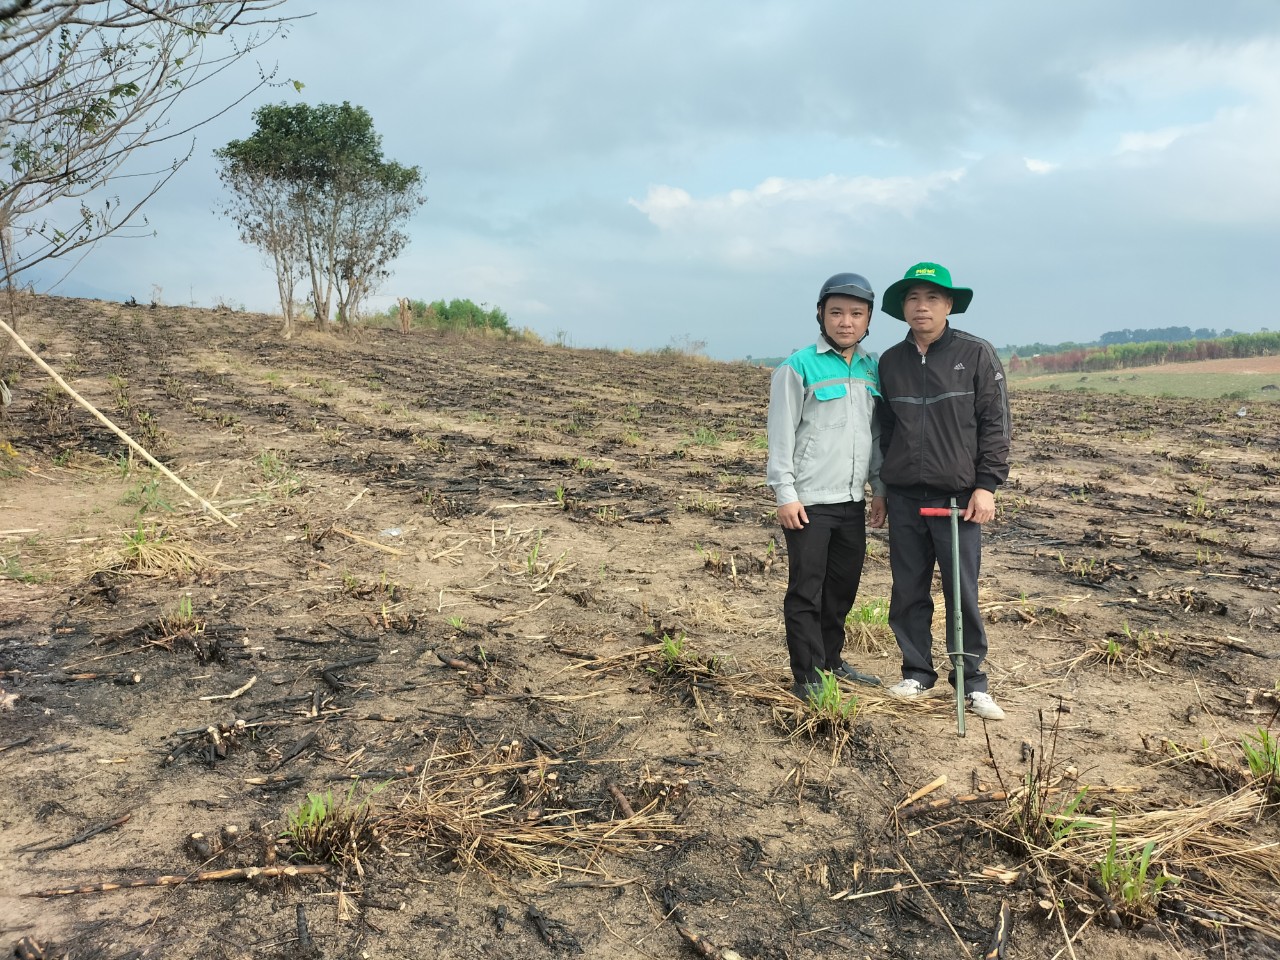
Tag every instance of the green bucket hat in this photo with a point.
(926, 272)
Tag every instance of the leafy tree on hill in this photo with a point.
(1165, 334)
(457, 315)
(266, 221)
(311, 188)
(464, 313)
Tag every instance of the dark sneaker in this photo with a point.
(846, 672)
(806, 692)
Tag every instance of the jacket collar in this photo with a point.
(944, 341)
(824, 347)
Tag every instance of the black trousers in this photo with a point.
(916, 543)
(824, 562)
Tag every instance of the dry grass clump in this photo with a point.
(496, 809)
(866, 628)
(341, 830)
(676, 663)
(709, 614)
(155, 552)
(1198, 862)
(1126, 865)
(829, 715)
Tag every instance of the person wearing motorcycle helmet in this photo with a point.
(824, 453)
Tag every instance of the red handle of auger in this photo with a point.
(936, 511)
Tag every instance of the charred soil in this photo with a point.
(492, 663)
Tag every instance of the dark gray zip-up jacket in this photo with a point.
(944, 420)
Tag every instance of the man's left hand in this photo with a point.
(877, 514)
(982, 506)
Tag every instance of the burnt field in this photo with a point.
(491, 663)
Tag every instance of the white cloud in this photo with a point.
(1150, 141)
(803, 217)
(1178, 69)
(1040, 166)
(1201, 131)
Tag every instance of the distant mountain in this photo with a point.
(74, 287)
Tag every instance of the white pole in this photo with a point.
(133, 444)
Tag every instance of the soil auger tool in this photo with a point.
(957, 619)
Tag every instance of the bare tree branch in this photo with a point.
(86, 84)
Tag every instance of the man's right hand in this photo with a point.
(792, 516)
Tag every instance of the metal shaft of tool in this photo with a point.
(957, 655)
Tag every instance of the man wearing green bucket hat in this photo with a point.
(944, 430)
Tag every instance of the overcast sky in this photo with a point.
(638, 174)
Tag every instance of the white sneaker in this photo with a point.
(983, 706)
(908, 689)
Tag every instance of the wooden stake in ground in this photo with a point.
(1000, 935)
(133, 444)
(935, 784)
(946, 803)
(704, 947)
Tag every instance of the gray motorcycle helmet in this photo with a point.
(850, 285)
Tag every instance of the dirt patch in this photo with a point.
(1262, 365)
(514, 612)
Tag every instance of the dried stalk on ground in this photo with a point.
(173, 880)
(462, 809)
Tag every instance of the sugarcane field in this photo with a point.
(453, 645)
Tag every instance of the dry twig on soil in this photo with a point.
(461, 808)
(173, 880)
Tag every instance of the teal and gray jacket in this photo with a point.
(824, 435)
